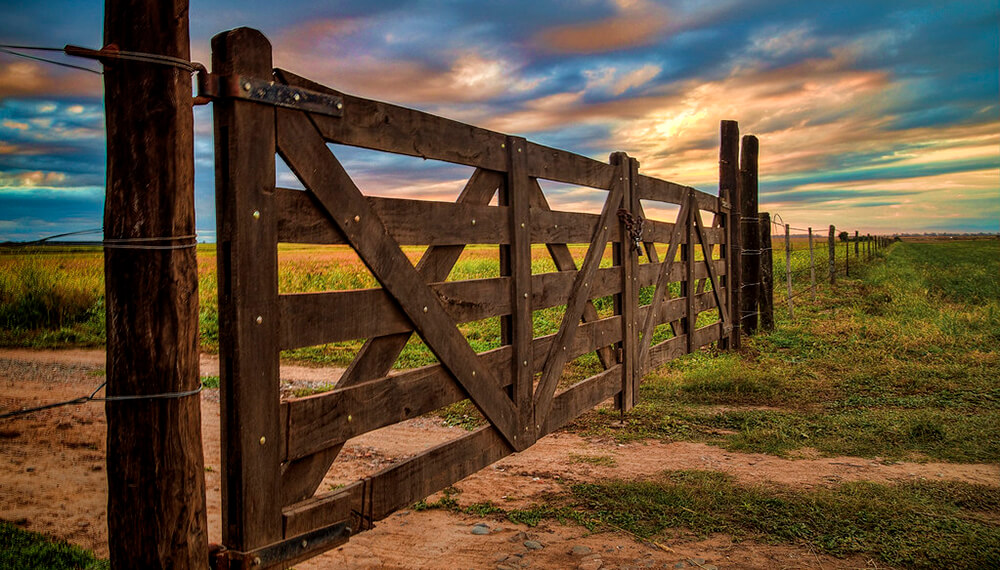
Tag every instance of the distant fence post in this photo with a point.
(847, 257)
(752, 259)
(856, 245)
(730, 190)
(812, 266)
(833, 256)
(788, 270)
(766, 298)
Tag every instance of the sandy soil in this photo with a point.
(52, 480)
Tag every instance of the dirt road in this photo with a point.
(52, 481)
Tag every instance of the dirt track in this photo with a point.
(52, 480)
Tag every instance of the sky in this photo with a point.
(880, 116)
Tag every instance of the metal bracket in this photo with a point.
(282, 553)
(217, 86)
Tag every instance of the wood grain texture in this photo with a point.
(731, 189)
(518, 265)
(766, 300)
(750, 234)
(156, 486)
(302, 476)
(248, 291)
(303, 149)
(577, 302)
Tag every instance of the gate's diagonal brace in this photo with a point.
(300, 478)
(662, 282)
(563, 260)
(582, 284)
(305, 151)
(707, 254)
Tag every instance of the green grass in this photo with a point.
(26, 550)
(899, 361)
(914, 525)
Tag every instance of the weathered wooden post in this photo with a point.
(847, 258)
(751, 259)
(155, 466)
(788, 270)
(833, 254)
(731, 191)
(812, 266)
(766, 274)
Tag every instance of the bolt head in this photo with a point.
(259, 319)
(256, 214)
(263, 440)
(340, 105)
(357, 218)
(247, 86)
(296, 97)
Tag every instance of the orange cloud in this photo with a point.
(636, 23)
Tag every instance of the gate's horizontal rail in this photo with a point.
(411, 480)
(382, 126)
(649, 188)
(423, 222)
(319, 421)
(309, 319)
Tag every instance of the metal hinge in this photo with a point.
(218, 86)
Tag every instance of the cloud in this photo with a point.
(635, 23)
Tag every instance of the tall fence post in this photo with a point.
(751, 259)
(788, 270)
(766, 274)
(731, 191)
(812, 266)
(832, 255)
(155, 464)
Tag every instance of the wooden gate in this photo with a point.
(276, 452)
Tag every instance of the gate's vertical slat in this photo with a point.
(518, 190)
(629, 169)
(248, 300)
(687, 255)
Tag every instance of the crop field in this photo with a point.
(894, 368)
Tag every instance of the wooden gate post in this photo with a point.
(766, 298)
(833, 256)
(752, 260)
(730, 190)
(248, 299)
(155, 466)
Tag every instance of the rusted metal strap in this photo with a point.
(282, 553)
(212, 86)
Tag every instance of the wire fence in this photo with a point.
(801, 263)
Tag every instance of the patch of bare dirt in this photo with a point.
(52, 480)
